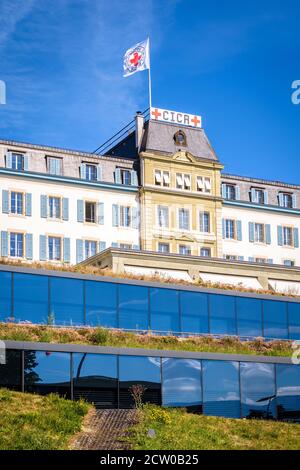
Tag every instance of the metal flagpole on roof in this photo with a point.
(149, 76)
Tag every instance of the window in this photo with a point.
(16, 244)
(288, 391)
(230, 191)
(54, 207)
(90, 172)
(133, 307)
(164, 247)
(194, 312)
(221, 390)
(125, 246)
(230, 232)
(183, 219)
(289, 262)
(125, 216)
(164, 310)
(180, 138)
(286, 200)
(16, 203)
(163, 216)
(205, 252)
(181, 380)
(126, 177)
(17, 161)
(66, 301)
(101, 304)
(183, 181)
(90, 248)
(261, 260)
(287, 236)
(205, 222)
(222, 314)
(249, 316)
(54, 248)
(275, 319)
(185, 250)
(231, 257)
(31, 298)
(259, 233)
(258, 196)
(90, 212)
(162, 178)
(11, 371)
(54, 166)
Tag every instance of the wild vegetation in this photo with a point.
(106, 337)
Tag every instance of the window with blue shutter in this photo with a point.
(28, 204)
(101, 213)
(251, 232)
(135, 247)
(5, 201)
(4, 243)
(67, 250)
(223, 188)
(280, 235)
(281, 199)
(114, 245)
(266, 197)
(80, 210)
(251, 259)
(65, 208)
(118, 176)
(270, 261)
(28, 246)
(115, 215)
(26, 162)
(134, 178)
(253, 195)
(102, 246)
(237, 193)
(44, 202)
(79, 251)
(135, 217)
(8, 160)
(224, 228)
(240, 258)
(43, 248)
(268, 234)
(294, 201)
(296, 238)
(239, 230)
(83, 171)
(99, 173)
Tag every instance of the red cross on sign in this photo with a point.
(135, 59)
(195, 121)
(175, 117)
(156, 113)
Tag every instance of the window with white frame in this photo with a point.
(163, 247)
(125, 216)
(183, 181)
(162, 178)
(125, 246)
(163, 216)
(54, 210)
(90, 212)
(90, 172)
(230, 191)
(259, 233)
(289, 262)
(183, 219)
(287, 233)
(286, 200)
(16, 245)
(204, 184)
(204, 222)
(54, 166)
(17, 161)
(90, 248)
(230, 229)
(231, 257)
(206, 252)
(54, 248)
(184, 250)
(258, 195)
(16, 203)
(126, 176)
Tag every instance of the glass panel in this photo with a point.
(249, 316)
(194, 312)
(144, 371)
(275, 319)
(47, 372)
(101, 304)
(258, 393)
(66, 296)
(221, 390)
(164, 310)
(5, 296)
(182, 383)
(288, 391)
(11, 371)
(133, 307)
(95, 379)
(294, 320)
(31, 298)
(222, 314)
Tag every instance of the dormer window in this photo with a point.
(180, 138)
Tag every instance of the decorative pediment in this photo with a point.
(183, 156)
(185, 238)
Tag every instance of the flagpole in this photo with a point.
(149, 77)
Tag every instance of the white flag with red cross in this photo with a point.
(137, 58)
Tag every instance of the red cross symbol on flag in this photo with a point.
(135, 58)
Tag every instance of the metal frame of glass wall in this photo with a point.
(67, 299)
(226, 385)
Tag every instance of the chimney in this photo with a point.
(139, 128)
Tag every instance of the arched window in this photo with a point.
(180, 138)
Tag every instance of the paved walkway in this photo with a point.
(104, 430)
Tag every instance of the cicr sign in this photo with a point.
(175, 117)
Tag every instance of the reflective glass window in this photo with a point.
(101, 304)
(47, 372)
(31, 298)
(66, 306)
(164, 307)
(11, 370)
(5, 296)
(221, 390)
(95, 379)
(194, 312)
(133, 307)
(222, 314)
(288, 391)
(294, 320)
(181, 383)
(258, 394)
(249, 316)
(275, 319)
(139, 371)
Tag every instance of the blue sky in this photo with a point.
(62, 64)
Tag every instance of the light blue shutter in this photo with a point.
(44, 202)
(296, 238)
(251, 232)
(251, 259)
(114, 245)
(43, 247)
(224, 228)
(52, 166)
(5, 201)
(80, 206)
(253, 195)
(8, 160)
(28, 246)
(239, 230)
(135, 217)
(26, 162)
(268, 234)
(99, 173)
(266, 197)
(65, 208)
(83, 171)
(134, 178)
(223, 191)
(102, 246)
(280, 235)
(136, 247)
(240, 258)
(270, 261)
(115, 215)
(4, 243)
(118, 178)
(79, 251)
(28, 204)
(294, 199)
(280, 198)
(237, 193)
(101, 213)
(67, 251)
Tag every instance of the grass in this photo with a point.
(33, 422)
(105, 337)
(176, 429)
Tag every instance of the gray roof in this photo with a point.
(159, 137)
